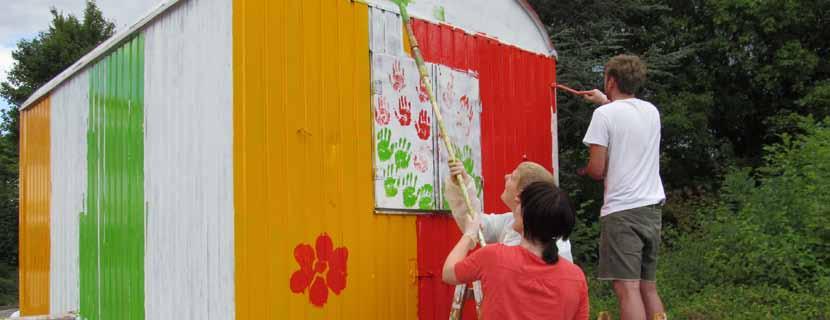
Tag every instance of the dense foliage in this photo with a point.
(737, 84)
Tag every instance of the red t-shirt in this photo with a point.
(520, 285)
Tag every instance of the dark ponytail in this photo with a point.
(551, 252)
(547, 216)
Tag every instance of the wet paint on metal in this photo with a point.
(70, 110)
(35, 180)
(112, 228)
(188, 155)
(303, 169)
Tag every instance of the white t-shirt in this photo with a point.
(630, 129)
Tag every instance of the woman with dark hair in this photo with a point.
(528, 281)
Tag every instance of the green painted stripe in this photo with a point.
(112, 228)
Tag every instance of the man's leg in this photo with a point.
(651, 300)
(630, 300)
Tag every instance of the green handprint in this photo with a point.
(410, 195)
(467, 159)
(390, 184)
(384, 149)
(425, 192)
(402, 153)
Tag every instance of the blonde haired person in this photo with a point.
(497, 228)
(528, 281)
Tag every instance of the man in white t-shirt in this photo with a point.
(624, 142)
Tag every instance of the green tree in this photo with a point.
(36, 62)
(728, 77)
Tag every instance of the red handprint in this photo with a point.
(422, 159)
(397, 77)
(404, 112)
(468, 109)
(382, 115)
(448, 95)
(423, 125)
(423, 95)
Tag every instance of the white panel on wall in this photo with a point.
(458, 96)
(404, 156)
(188, 168)
(70, 107)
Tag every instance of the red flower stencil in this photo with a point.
(328, 271)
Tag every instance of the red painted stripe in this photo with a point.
(515, 121)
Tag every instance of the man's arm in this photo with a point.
(597, 163)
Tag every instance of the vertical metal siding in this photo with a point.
(303, 167)
(112, 229)
(70, 107)
(34, 209)
(515, 121)
(188, 163)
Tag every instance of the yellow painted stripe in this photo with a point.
(303, 164)
(35, 181)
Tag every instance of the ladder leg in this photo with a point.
(458, 301)
(478, 293)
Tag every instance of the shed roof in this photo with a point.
(421, 10)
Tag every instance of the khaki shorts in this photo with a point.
(628, 244)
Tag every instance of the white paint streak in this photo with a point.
(385, 32)
(506, 20)
(554, 130)
(189, 262)
(70, 109)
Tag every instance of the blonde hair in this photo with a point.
(530, 172)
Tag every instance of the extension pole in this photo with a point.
(460, 290)
(422, 70)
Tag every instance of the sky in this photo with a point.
(24, 19)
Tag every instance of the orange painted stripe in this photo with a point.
(303, 170)
(35, 182)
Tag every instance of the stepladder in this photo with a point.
(462, 293)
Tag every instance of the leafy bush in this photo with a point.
(762, 251)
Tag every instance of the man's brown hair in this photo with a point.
(629, 72)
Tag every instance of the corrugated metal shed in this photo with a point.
(214, 160)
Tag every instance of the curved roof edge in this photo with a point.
(121, 36)
(543, 31)
(423, 9)
(99, 51)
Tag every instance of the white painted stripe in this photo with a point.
(70, 108)
(188, 163)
